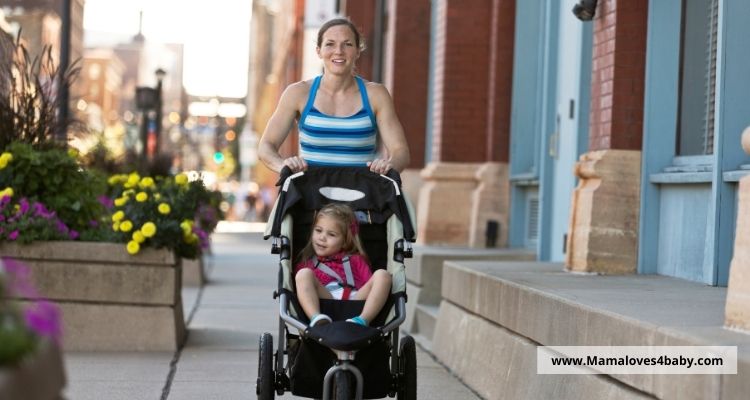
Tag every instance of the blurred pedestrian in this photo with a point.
(342, 119)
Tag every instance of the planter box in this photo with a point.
(109, 299)
(40, 376)
(193, 272)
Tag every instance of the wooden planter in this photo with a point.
(40, 376)
(109, 299)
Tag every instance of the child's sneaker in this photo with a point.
(320, 319)
(357, 320)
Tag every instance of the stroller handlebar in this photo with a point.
(286, 172)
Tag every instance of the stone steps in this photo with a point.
(495, 314)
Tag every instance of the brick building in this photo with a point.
(609, 146)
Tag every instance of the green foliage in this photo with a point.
(53, 177)
(17, 339)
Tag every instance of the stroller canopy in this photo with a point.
(378, 195)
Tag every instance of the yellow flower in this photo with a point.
(191, 238)
(133, 247)
(8, 191)
(187, 226)
(5, 158)
(132, 180)
(141, 197)
(126, 226)
(181, 179)
(164, 208)
(120, 201)
(16, 208)
(116, 226)
(146, 182)
(148, 229)
(72, 153)
(118, 216)
(138, 237)
(157, 196)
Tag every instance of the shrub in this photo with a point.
(159, 213)
(54, 178)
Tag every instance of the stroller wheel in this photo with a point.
(264, 386)
(407, 363)
(343, 387)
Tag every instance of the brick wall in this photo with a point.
(460, 85)
(500, 80)
(407, 52)
(619, 59)
(362, 13)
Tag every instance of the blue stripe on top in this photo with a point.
(337, 141)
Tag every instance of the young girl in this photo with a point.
(323, 271)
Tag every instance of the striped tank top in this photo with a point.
(325, 140)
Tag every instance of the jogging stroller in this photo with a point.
(332, 360)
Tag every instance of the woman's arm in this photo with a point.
(390, 129)
(278, 129)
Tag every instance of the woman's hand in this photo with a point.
(295, 163)
(380, 166)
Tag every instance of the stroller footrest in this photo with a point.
(345, 336)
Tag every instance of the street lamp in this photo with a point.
(149, 99)
(160, 74)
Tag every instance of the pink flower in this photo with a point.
(13, 235)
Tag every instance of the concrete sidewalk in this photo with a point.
(219, 360)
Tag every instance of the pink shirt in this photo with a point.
(360, 269)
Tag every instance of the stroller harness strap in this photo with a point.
(349, 285)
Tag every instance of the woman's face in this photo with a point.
(327, 238)
(338, 49)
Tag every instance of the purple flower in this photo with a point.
(40, 315)
(106, 201)
(19, 279)
(202, 237)
(23, 205)
(41, 211)
(73, 234)
(4, 200)
(13, 235)
(43, 318)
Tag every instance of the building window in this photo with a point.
(695, 121)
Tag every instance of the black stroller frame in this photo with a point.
(385, 214)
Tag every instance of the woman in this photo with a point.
(342, 120)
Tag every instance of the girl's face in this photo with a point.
(338, 49)
(327, 238)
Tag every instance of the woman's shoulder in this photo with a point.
(376, 93)
(298, 89)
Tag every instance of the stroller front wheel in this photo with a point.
(343, 389)
(264, 386)
(407, 362)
